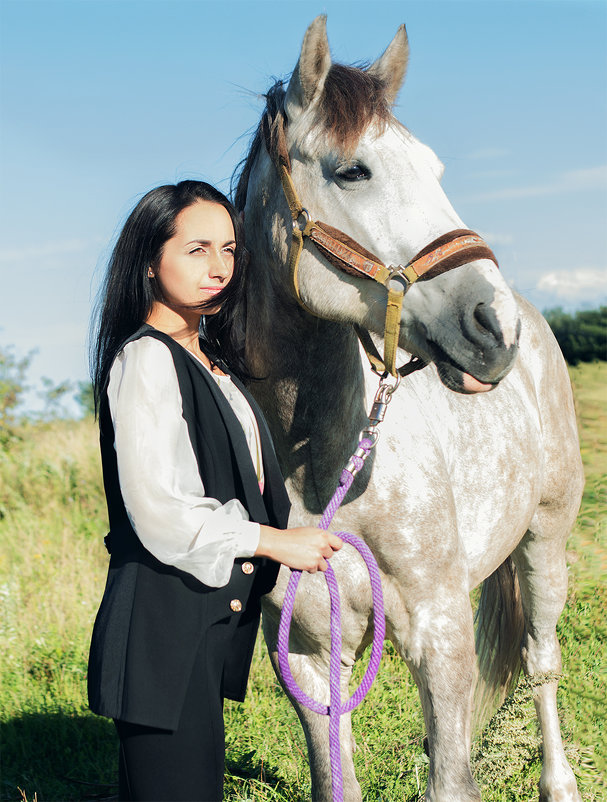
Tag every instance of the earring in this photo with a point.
(150, 273)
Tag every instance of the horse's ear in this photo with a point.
(311, 71)
(391, 66)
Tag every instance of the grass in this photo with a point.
(52, 571)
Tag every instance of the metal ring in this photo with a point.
(296, 225)
(386, 388)
(370, 433)
(396, 274)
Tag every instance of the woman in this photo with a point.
(196, 503)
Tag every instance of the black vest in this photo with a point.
(152, 615)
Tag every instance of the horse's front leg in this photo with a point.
(309, 662)
(312, 675)
(438, 646)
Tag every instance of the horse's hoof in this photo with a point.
(560, 788)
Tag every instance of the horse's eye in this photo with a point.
(355, 172)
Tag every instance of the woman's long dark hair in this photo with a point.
(127, 294)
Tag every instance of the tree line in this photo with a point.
(582, 336)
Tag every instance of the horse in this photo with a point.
(476, 478)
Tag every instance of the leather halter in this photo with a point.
(445, 253)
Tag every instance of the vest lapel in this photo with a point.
(275, 494)
(254, 500)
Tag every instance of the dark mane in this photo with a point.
(272, 113)
(352, 98)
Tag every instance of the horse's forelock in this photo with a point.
(352, 99)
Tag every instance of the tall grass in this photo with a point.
(52, 571)
(52, 567)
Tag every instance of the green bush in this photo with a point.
(582, 336)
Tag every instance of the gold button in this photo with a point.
(248, 568)
(236, 605)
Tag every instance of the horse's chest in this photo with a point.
(465, 471)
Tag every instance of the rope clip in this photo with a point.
(383, 396)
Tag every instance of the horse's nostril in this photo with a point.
(486, 321)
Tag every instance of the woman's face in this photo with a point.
(198, 261)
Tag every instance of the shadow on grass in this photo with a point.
(245, 772)
(59, 757)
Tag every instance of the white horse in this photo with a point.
(464, 487)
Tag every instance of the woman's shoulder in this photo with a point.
(143, 381)
(156, 358)
(146, 344)
(144, 355)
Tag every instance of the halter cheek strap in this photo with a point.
(449, 251)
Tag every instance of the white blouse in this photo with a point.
(158, 473)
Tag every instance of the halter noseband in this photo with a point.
(449, 251)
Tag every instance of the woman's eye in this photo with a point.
(354, 172)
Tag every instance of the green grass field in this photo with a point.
(52, 571)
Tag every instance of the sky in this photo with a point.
(101, 100)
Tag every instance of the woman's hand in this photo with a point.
(304, 548)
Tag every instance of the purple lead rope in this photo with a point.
(336, 708)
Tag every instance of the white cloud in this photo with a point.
(486, 154)
(493, 174)
(570, 181)
(497, 239)
(590, 178)
(46, 250)
(583, 282)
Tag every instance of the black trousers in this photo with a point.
(186, 764)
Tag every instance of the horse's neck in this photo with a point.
(311, 388)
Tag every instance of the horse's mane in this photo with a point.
(352, 98)
(273, 112)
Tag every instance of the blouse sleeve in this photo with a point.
(158, 473)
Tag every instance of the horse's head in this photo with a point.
(358, 169)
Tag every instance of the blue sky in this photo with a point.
(100, 100)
